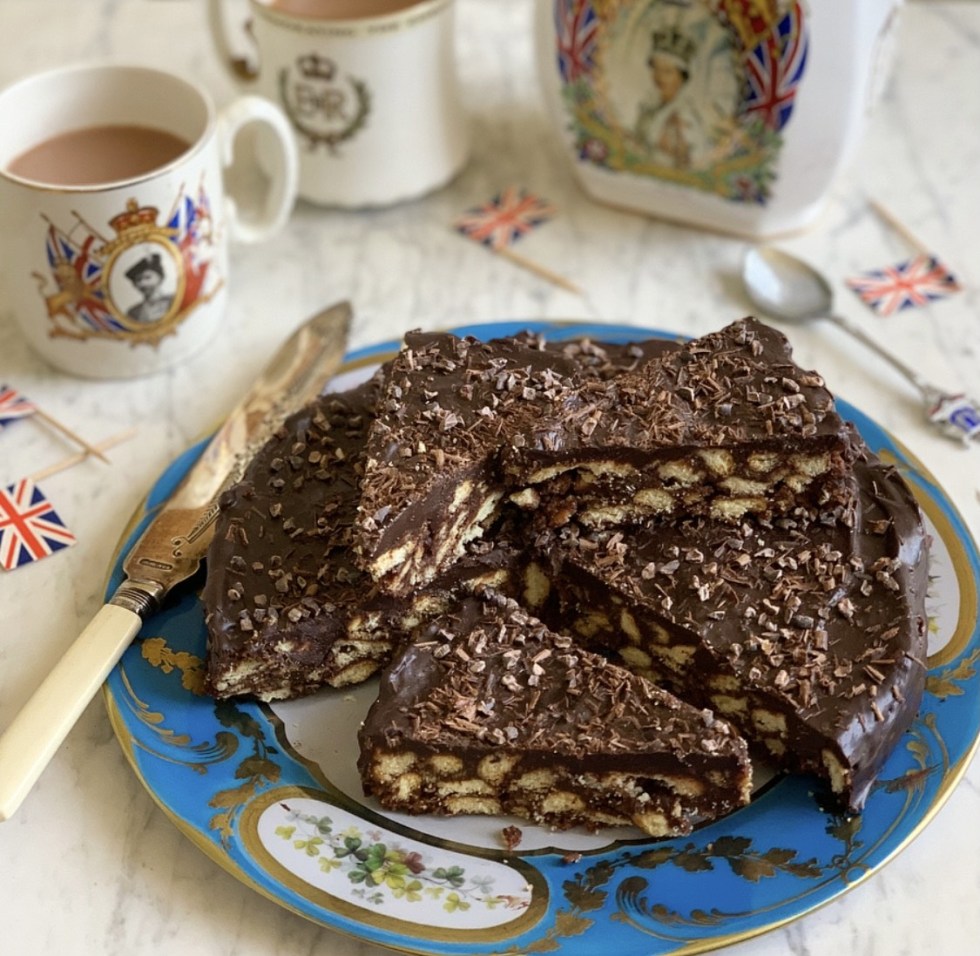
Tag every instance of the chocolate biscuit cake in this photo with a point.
(287, 609)
(809, 637)
(488, 711)
(699, 510)
(724, 425)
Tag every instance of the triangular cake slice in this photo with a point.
(288, 611)
(725, 425)
(809, 637)
(431, 482)
(490, 712)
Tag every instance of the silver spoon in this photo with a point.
(787, 288)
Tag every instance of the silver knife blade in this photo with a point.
(169, 550)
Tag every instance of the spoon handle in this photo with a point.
(955, 415)
(929, 392)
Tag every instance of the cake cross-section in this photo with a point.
(488, 711)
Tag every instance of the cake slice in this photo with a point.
(723, 426)
(286, 608)
(489, 712)
(431, 482)
(809, 637)
(726, 425)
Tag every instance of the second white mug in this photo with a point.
(369, 87)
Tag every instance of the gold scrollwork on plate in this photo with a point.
(175, 747)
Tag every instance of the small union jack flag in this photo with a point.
(576, 28)
(30, 528)
(908, 285)
(774, 69)
(13, 405)
(507, 217)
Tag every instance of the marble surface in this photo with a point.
(89, 864)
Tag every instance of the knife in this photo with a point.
(169, 551)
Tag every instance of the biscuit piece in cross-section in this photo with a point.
(490, 712)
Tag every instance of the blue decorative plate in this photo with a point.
(271, 792)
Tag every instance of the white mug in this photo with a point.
(734, 115)
(114, 273)
(369, 87)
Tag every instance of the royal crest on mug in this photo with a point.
(138, 285)
(324, 105)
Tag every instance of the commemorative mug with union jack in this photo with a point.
(117, 212)
(369, 87)
(734, 115)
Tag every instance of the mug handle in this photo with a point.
(241, 67)
(280, 167)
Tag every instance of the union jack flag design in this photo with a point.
(774, 69)
(507, 217)
(576, 28)
(30, 528)
(13, 405)
(190, 223)
(79, 274)
(908, 285)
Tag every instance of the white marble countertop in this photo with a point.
(89, 864)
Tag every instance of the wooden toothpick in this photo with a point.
(537, 269)
(68, 433)
(82, 455)
(509, 215)
(890, 219)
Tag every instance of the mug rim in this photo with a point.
(417, 8)
(113, 66)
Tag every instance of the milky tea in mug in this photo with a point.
(98, 154)
(114, 254)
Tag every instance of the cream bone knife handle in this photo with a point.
(31, 740)
(169, 550)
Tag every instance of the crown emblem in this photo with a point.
(316, 67)
(135, 217)
(674, 43)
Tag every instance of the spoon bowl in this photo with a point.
(785, 287)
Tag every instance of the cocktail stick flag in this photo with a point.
(13, 405)
(507, 217)
(910, 284)
(30, 528)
